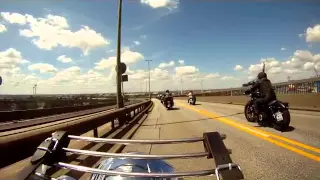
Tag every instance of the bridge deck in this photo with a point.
(263, 153)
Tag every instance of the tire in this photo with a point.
(246, 114)
(283, 125)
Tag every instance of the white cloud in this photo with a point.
(155, 74)
(238, 68)
(51, 31)
(106, 63)
(313, 34)
(136, 43)
(181, 62)
(213, 75)
(283, 49)
(66, 75)
(228, 78)
(139, 75)
(161, 3)
(300, 58)
(64, 59)
(166, 65)
(275, 70)
(159, 74)
(291, 71)
(25, 61)
(308, 66)
(271, 65)
(254, 68)
(43, 68)
(2, 28)
(11, 58)
(186, 70)
(128, 57)
(14, 18)
(270, 62)
(300, 65)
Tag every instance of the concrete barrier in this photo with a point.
(309, 102)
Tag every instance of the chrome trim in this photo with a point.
(131, 141)
(135, 156)
(223, 167)
(130, 174)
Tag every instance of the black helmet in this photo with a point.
(262, 75)
(167, 91)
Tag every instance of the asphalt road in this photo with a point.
(263, 153)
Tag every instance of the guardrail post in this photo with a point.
(112, 124)
(122, 119)
(95, 132)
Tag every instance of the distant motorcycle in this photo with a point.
(168, 102)
(162, 99)
(192, 100)
(276, 112)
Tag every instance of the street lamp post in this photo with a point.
(120, 103)
(141, 84)
(34, 89)
(181, 86)
(149, 77)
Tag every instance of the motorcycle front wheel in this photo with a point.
(248, 113)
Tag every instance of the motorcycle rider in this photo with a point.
(190, 95)
(266, 90)
(166, 96)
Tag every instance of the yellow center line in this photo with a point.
(262, 134)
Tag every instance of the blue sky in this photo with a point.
(211, 36)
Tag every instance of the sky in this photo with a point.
(70, 46)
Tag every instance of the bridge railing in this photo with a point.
(21, 144)
(303, 86)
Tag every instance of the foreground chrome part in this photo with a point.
(136, 156)
(131, 141)
(224, 167)
(138, 166)
(135, 174)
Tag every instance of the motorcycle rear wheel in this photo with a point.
(283, 125)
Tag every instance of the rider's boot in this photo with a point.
(261, 118)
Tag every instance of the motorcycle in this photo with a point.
(276, 112)
(125, 166)
(192, 100)
(162, 99)
(168, 102)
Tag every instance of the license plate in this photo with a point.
(279, 116)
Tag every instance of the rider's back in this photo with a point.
(266, 89)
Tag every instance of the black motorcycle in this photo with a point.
(168, 102)
(192, 100)
(275, 112)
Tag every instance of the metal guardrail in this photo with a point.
(302, 86)
(36, 113)
(22, 144)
